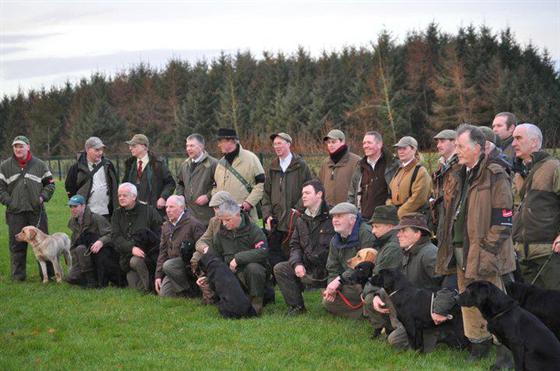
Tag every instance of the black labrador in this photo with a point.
(413, 306)
(106, 261)
(534, 346)
(545, 304)
(232, 302)
(361, 275)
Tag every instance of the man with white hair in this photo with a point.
(536, 224)
(178, 236)
(133, 216)
(243, 247)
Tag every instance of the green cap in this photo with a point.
(344, 208)
(20, 139)
(489, 135)
(385, 214)
(334, 134)
(446, 134)
(406, 142)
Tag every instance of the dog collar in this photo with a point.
(394, 292)
(503, 312)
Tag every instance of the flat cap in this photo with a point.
(385, 214)
(20, 139)
(335, 134)
(219, 198)
(344, 208)
(227, 133)
(76, 200)
(415, 220)
(94, 142)
(138, 139)
(489, 135)
(446, 134)
(407, 141)
(284, 136)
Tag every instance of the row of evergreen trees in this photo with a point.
(430, 81)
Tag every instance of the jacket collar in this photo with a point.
(418, 246)
(351, 241)
(537, 157)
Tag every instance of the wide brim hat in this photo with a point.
(227, 133)
(414, 220)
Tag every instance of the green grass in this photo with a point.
(57, 326)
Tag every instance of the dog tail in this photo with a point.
(66, 252)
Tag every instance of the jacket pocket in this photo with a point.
(487, 263)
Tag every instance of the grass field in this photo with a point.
(57, 326)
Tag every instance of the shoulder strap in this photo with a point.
(239, 177)
(413, 179)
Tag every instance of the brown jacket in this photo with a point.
(336, 177)
(410, 198)
(187, 229)
(488, 247)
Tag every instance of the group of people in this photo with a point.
(442, 230)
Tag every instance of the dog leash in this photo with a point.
(40, 217)
(347, 302)
(542, 268)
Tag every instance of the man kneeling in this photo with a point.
(242, 246)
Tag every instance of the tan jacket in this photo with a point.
(248, 165)
(409, 198)
(336, 177)
(490, 201)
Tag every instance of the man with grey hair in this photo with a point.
(536, 224)
(243, 247)
(351, 234)
(94, 177)
(503, 125)
(369, 187)
(196, 178)
(178, 236)
(481, 247)
(149, 173)
(134, 217)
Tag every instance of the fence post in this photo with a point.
(59, 170)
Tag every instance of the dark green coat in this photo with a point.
(126, 222)
(342, 249)
(282, 191)
(418, 265)
(389, 256)
(91, 223)
(246, 244)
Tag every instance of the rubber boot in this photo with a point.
(504, 359)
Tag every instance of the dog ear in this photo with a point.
(371, 256)
(31, 233)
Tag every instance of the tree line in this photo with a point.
(430, 81)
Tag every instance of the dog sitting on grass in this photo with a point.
(47, 248)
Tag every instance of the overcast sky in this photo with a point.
(45, 43)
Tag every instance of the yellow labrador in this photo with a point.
(47, 248)
(363, 255)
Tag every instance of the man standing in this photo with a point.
(482, 245)
(337, 169)
(239, 172)
(25, 184)
(196, 178)
(352, 234)
(148, 173)
(504, 125)
(94, 177)
(536, 224)
(370, 182)
(173, 277)
(138, 262)
(282, 190)
(309, 249)
(242, 246)
(91, 252)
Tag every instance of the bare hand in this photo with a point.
(201, 200)
(233, 265)
(268, 223)
(160, 204)
(379, 305)
(329, 296)
(246, 206)
(556, 245)
(438, 318)
(300, 271)
(157, 285)
(96, 247)
(202, 281)
(136, 251)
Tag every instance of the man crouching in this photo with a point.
(242, 246)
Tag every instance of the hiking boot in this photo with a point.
(257, 304)
(479, 351)
(504, 359)
(296, 310)
(207, 293)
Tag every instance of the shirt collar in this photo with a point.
(178, 219)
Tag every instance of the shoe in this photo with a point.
(257, 304)
(296, 310)
(504, 359)
(479, 351)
